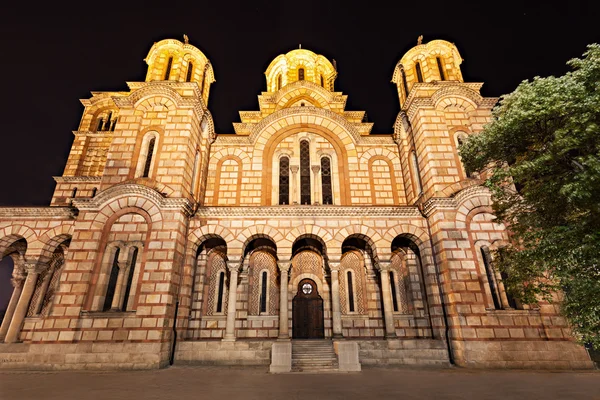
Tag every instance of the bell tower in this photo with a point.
(437, 111)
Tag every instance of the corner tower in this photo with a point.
(437, 111)
(156, 134)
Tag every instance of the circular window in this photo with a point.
(307, 288)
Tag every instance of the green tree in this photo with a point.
(540, 157)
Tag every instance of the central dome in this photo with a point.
(298, 65)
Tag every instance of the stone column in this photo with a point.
(44, 290)
(233, 267)
(294, 169)
(317, 184)
(17, 282)
(386, 292)
(12, 335)
(284, 331)
(334, 266)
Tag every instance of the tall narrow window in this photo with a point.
(440, 68)
(107, 123)
(114, 124)
(203, 80)
(194, 170)
(263, 292)
(149, 157)
(416, 174)
(489, 271)
(129, 278)
(100, 124)
(326, 180)
(304, 172)
(168, 70)
(284, 180)
(394, 295)
(112, 282)
(404, 83)
(350, 292)
(322, 81)
(278, 81)
(94, 191)
(419, 73)
(188, 78)
(220, 291)
(74, 193)
(300, 74)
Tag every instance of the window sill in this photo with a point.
(107, 314)
(262, 317)
(512, 311)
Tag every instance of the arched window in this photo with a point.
(194, 171)
(300, 74)
(305, 172)
(149, 154)
(168, 70)
(491, 276)
(326, 180)
(114, 124)
(220, 292)
(278, 81)
(460, 138)
(94, 191)
(440, 68)
(284, 180)
(322, 81)
(416, 174)
(132, 262)
(394, 295)
(203, 80)
(74, 193)
(350, 287)
(100, 124)
(107, 123)
(190, 69)
(112, 282)
(419, 73)
(263, 292)
(404, 83)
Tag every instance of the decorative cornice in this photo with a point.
(308, 211)
(93, 133)
(84, 179)
(231, 139)
(437, 203)
(37, 212)
(293, 111)
(377, 140)
(128, 189)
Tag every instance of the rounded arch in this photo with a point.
(381, 152)
(261, 231)
(316, 232)
(412, 232)
(393, 182)
(228, 152)
(469, 199)
(271, 137)
(199, 235)
(369, 235)
(307, 90)
(52, 238)
(14, 233)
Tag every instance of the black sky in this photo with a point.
(53, 55)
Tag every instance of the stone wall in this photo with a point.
(244, 352)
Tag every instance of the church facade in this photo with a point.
(168, 242)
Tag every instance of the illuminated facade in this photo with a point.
(301, 225)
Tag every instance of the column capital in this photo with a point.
(384, 265)
(284, 265)
(18, 277)
(35, 266)
(233, 266)
(294, 168)
(334, 265)
(315, 168)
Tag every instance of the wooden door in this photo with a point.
(307, 309)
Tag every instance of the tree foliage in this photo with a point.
(540, 155)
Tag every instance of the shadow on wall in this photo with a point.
(6, 288)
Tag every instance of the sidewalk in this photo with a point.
(231, 383)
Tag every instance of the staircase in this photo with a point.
(316, 355)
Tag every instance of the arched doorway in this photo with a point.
(307, 306)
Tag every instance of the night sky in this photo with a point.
(52, 56)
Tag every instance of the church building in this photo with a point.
(301, 242)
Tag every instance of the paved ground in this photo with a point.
(254, 383)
